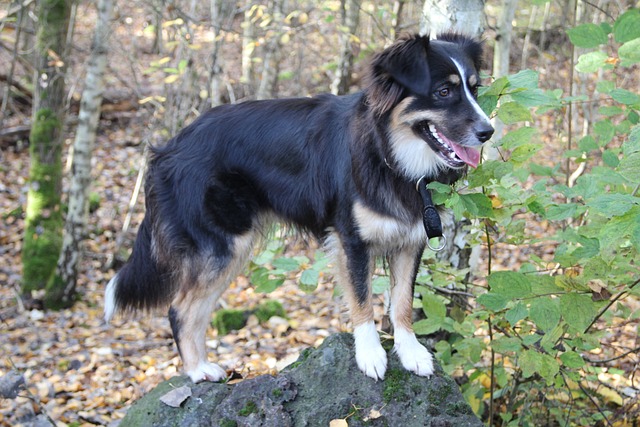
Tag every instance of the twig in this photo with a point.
(611, 359)
(606, 307)
(132, 204)
(593, 401)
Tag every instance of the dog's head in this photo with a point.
(426, 92)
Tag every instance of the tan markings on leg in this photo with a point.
(360, 313)
(195, 302)
(401, 265)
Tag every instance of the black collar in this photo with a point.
(430, 216)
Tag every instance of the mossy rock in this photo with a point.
(227, 320)
(323, 385)
(267, 309)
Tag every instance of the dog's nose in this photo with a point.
(484, 134)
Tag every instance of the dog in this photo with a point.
(341, 168)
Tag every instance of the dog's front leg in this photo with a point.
(355, 267)
(413, 355)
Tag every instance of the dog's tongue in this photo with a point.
(469, 155)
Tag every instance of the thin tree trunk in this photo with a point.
(62, 291)
(501, 55)
(272, 56)
(350, 19)
(463, 16)
(43, 222)
(396, 21)
(248, 47)
(215, 75)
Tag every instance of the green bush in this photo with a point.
(538, 327)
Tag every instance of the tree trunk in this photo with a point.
(350, 19)
(43, 222)
(220, 12)
(273, 49)
(467, 17)
(248, 47)
(501, 54)
(60, 293)
(463, 16)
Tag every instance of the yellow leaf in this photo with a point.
(172, 78)
(610, 396)
(338, 423)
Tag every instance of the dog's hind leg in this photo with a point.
(190, 312)
(414, 356)
(355, 266)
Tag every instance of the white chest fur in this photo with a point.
(386, 232)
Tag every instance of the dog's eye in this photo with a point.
(444, 92)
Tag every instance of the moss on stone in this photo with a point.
(267, 309)
(248, 409)
(395, 385)
(227, 320)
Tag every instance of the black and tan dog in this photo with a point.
(343, 168)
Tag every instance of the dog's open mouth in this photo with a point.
(453, 154)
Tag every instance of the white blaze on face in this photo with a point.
(467, 91)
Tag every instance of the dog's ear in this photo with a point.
(402, 66)
(471, 46)
(406, 63)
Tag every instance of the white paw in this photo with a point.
(413, 355)
(370, 356)
(207, 372)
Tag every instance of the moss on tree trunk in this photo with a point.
(43, 224)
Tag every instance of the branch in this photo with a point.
(606, 307)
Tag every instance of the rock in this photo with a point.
(324, 385)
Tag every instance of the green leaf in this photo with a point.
(549, 367)
(524, 152)
(627, 26)
(380, 284)
(632, 144)
(433, 306)
(477, 204)
(630, 52)
(591, 62)
(427, 326)
(510, 284)
(493, 301)
(571, 359)
(629, 167)
(587, 35)
(488, 103)
(625, 97)
(527, 79)
(534, 98)
(545, 312)
(517, 137)
(309, 279)
(611, 205)
(496, 89)
(605, 130)
(513, 112)
(561, 212)
(286, 264)
(517, 313)
(530, 362)
(578, 310)
(506, 344)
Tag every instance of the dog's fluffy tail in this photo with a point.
(141, 284)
